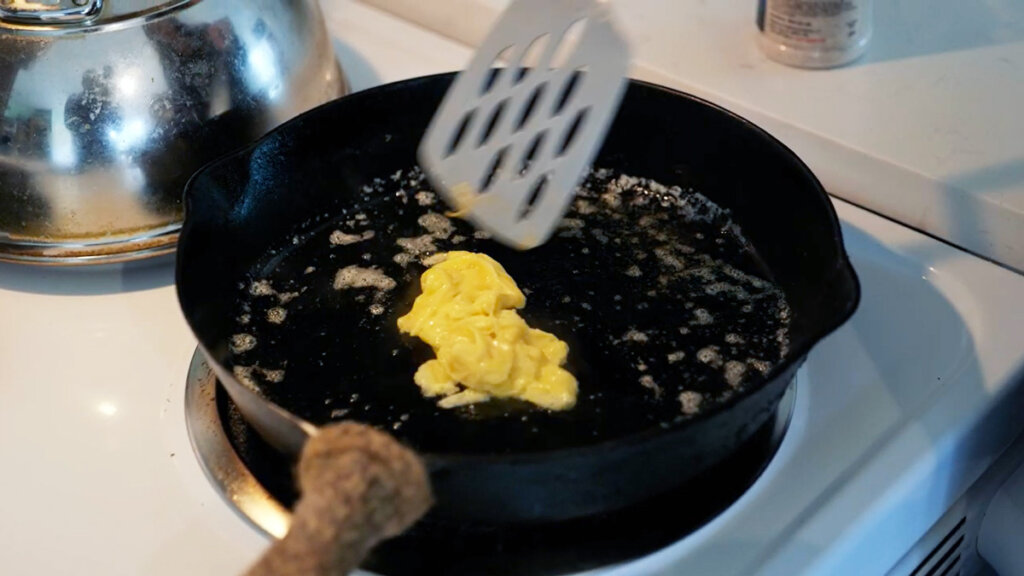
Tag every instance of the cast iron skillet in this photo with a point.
(240, 208)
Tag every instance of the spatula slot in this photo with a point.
(492, 172)
(498, 67)
(532, 56)
(531, 153)
(457, 136)
(574, 80)
(492, 121)
(573, 130)
(531, 104)
(534, 196)
(568, 43)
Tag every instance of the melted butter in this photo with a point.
(464, 197)
(467, 314)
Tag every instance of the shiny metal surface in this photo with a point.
(102, 123)
(74, 254)
(222, 466)
(56, 12)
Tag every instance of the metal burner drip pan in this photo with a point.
(256, 481)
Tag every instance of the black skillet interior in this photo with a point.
(303, 180)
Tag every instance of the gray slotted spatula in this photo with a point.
(508, 145)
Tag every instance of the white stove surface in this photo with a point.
(896, 414)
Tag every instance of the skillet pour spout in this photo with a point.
(250, 213)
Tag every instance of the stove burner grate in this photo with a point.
(256, 480)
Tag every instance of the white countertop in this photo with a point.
(937, 99)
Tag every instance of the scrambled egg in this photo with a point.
(467, 314)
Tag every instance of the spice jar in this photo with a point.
(814, 33)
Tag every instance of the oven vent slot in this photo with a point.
(946, 558)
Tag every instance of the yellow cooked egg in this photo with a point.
(467, 314)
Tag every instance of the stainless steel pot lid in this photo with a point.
(108, 106)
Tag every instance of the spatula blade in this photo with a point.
(508, 146)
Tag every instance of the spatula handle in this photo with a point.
(359, 486)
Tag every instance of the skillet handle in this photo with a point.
(359, 486)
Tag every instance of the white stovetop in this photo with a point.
(99, 477)
(933, 109)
